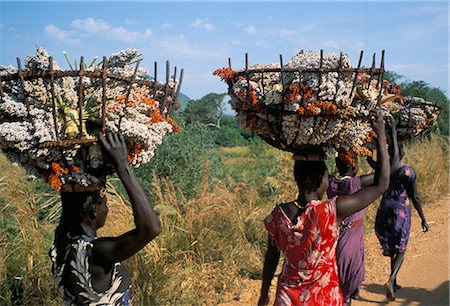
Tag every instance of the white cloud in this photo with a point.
(203, 24)
(82, 28)
(90, 25)
(55, 33)
(209, 27)
(250, 29)
(166, 26)
(180, 46)
(148, 33)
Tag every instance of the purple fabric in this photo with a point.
(393, 221)
(350, 247)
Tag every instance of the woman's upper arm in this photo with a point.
(367, 180)
(349, 204)
(109, 250)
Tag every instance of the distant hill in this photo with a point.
(183, 100)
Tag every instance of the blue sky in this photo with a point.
(200, 36)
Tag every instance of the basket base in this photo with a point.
(75, 187)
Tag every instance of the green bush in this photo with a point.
(184, 158)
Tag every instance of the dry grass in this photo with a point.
(208, 244)
(429, 157)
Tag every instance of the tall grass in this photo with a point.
(208, 244)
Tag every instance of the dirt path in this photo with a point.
(424, 275)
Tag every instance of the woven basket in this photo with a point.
(103, 89)
(166, 107)
(304, 128)
(416, 117)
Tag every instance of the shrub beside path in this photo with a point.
(424, 276)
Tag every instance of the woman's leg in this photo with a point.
(396, 263)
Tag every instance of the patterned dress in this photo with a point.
(75, 271)
(350, 247)
(393, 221)
(309, 275)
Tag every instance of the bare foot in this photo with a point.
(389, 291)
(397, 287)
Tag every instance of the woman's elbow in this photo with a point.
(150, 231)
(155, 230)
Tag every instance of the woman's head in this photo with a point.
(78, 205)
(311, 176)
(346, 167)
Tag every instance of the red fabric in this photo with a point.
(309, 275)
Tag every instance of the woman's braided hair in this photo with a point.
(309, 174)
(74, 205)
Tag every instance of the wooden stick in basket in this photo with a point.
(380, 76)
(371, 70)
(80, 98)
(336, 85)
(1, 90)
(22, 83)
(52, 86)
(155, 75)
(104, 76)
(247, 76)
(129, 92)
(356, 72)
(320, 72)
(281, 75)
(166, 87)
(172, 106)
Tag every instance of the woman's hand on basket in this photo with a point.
(378, 124)
(115, 145)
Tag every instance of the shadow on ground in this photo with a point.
(408, 295)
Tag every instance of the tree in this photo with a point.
(206, 110)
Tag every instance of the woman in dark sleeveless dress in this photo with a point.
(306, 231)
(393, 220)
(88, 269)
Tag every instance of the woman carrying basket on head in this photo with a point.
(306, 231)
(393, 220)
(88, 269)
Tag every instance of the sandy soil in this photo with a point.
(424, 276)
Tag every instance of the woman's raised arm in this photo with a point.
(109, 250)
(347, 205)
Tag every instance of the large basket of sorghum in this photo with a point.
(50, 118)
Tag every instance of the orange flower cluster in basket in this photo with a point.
(392, 88)
(318, 107)
(348, 156)
(143, 98)
(54, 178)
(133, 151)
(250, 97)
(224, 73)
(296, 90)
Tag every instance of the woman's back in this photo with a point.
(309, 249)
(80, 280)
(399, 182)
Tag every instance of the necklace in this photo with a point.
(299, 205)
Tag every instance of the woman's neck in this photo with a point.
(89, 229)
(306, 197)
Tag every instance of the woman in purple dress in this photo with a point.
(350, 247)
(393, 220)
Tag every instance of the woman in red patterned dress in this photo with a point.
(306, 231)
